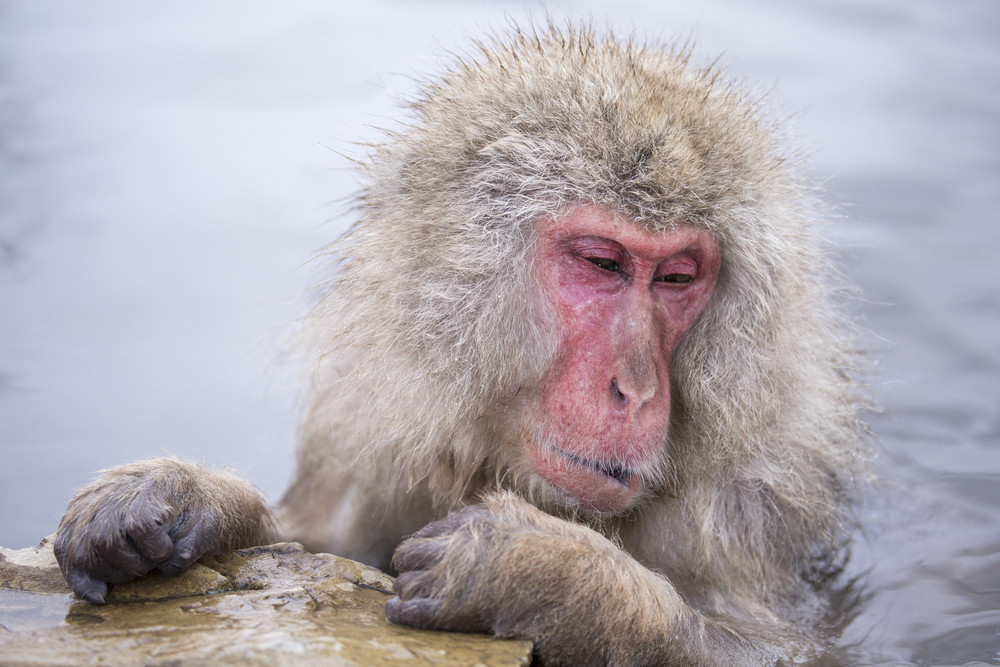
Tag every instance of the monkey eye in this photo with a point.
(605, 263)
(675, 278)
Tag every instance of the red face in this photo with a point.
(623, 297)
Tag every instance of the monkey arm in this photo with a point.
(509, 569)
(156, 514)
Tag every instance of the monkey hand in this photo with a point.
(507, 568)
(158, 514)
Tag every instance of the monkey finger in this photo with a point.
(151, 540)
(415, 585)
(418, 554)
(193, 539)
(416, 613)
(472, 514)
(433, 614)
(85, 586)
(149, 520)
(435, 529)
(120, 564)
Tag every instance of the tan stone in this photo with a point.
(274, 605)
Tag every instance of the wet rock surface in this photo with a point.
(273, 605)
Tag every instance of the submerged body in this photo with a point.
(582, 348)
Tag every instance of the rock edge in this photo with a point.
(270, 605)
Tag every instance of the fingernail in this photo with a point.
(93, 597)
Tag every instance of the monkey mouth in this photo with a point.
(617, 472)
(600, 486)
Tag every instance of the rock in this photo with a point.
(273, 605)
(33, 569)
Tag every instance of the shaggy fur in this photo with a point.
(431, 342)
(427, 341)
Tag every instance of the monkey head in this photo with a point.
(584, 271)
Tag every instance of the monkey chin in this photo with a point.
(589, 485)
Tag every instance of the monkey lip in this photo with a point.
(619, 473)
(603, 487)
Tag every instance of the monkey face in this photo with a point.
(622, 298)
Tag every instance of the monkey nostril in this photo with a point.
(617, 394)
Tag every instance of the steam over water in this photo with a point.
(167, 170)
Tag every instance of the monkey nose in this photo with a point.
(617, 397)
(630, 397)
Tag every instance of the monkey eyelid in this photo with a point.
(684, 268)
(594, 246)
(605, 263)
(675, 278)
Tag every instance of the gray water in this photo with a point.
(167, 171)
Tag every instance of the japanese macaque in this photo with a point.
(580, 376)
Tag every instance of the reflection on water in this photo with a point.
(167, 172)
(26, 612)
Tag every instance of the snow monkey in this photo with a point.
(581, 376)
